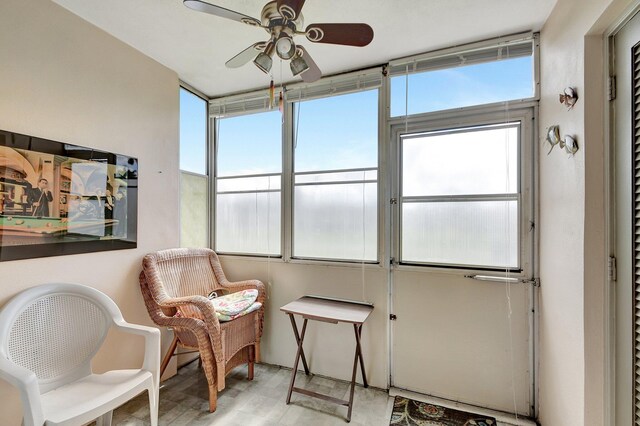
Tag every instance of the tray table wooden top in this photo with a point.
(329, 310)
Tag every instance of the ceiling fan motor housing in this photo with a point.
(271, 19)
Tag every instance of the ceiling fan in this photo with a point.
(283, 20)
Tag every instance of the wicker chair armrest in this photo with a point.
(163, 320)
(202, 303)
(247, 285)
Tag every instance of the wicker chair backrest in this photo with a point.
(182, 272)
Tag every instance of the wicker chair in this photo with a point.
(174, 284)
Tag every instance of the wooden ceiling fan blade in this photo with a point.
(346, 34)
(313, 73)
(290, 9)
(202, 6)
(246, 55)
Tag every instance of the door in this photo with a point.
(462, 207)
(626, 146)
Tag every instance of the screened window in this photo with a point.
(336, 177)
(460, 197)
(194, 187)
(462, 86)
(248, 184)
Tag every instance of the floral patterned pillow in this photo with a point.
(254, 307)
(227, 307)
(234, 303)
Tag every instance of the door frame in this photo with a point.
(527, 113)
(609, 305)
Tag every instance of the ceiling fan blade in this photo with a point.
(290, 9)
(202, 6)
(346, 34)
(246, 55)
(313, 73)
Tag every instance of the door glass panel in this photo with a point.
(460, 197)
(480, 160)
(481, 233)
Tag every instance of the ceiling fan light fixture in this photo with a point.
(285, 47)
(263, 61)
(298, 65)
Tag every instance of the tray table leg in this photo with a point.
(299, 353)
(364, 375)
(295, 333)
(358, 357)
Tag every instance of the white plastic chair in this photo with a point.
(48, 337)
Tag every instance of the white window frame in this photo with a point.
(291, 195)
(470, 117)
(388, 128)
(208, 162)
(255, 104)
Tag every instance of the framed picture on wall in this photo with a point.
(58, 199)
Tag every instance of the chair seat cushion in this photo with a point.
(234, 303)
(228, 307)
(254, 307)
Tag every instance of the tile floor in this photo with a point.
(184, 401)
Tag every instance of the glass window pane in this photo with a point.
(337, 143)
(463, 86)
(249, 144)
(248, 223)
(253, 183)
(336, 221)
(359, 175)
(475, 233)
(249, 162)
(339, 132)
(482, 160)
(193, 211)
(193, 133)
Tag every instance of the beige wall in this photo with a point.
(63, 79)
(572, 217)
(329, 348)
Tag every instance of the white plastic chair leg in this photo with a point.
(153, 407)
(105, 419)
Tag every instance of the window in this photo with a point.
(460, 196)
(335, 177)
(460, 180)
(477, 77)
(248, 184)
(194, 188)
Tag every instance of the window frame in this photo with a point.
(457, 119)
(209, 155)
(290, 239)
(215, 120)
(367, 79)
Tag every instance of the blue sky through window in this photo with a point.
(463, 86)
(337, 132)
(250, 144)
(193, 133)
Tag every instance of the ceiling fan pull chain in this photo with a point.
(281, 103)
(272, 89)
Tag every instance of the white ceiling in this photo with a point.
(196, 45)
